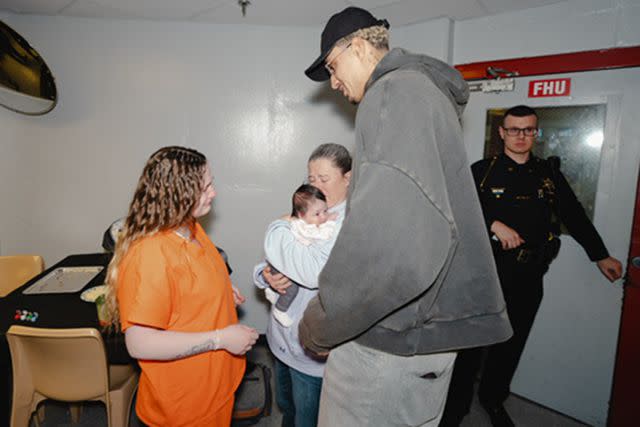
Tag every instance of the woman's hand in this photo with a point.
(238, 298)
(237, 339)
(278, 281)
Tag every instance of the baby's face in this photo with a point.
(317, 213)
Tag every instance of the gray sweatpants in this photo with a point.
(367, 387)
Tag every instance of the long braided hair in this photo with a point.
(168, 189)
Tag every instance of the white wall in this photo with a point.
(434, 38)
(569, 26)
(126, 88)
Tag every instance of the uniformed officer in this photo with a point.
(523, 200)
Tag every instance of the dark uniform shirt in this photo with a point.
(521, 197)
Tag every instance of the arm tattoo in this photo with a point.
(208, 345)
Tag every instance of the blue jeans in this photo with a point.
(298, 396)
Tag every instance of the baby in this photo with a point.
(311, 223)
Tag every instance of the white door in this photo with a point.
(569, 358)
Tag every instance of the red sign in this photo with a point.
(551, 87)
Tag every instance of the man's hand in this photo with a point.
(509, 238)
(311, 347)
(238, 298)
(320, 356)
(611, 268)
(278, 281)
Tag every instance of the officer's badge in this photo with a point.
(548, 187)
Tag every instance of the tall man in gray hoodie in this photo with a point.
(411, 277)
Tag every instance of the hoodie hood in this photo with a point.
(445, 77)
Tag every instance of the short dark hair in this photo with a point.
(337, 153)
(519, 111)
(303, 196)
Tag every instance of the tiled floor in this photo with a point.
(524, 413)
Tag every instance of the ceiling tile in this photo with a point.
(371, 4)
(39, 7)
(281, 12)
(274, 12)
(141, 9)
(496, 7)
(412, 11)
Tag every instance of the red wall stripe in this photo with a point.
(603, 59)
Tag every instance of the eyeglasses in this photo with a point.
(329, 65)
(518, 131)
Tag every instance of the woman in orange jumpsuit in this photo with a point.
(171, 294)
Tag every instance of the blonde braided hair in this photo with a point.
(167, 191)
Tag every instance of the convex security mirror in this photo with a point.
(26, 83)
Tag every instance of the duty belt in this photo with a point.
(530, 255)
(525, 256)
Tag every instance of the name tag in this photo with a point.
(497, 191)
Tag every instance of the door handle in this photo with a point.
(635, 261)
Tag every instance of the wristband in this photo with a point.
(216, 340)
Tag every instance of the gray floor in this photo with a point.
(523, 412)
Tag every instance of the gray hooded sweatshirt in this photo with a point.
(411, 271)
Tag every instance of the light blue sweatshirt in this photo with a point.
(302, 264)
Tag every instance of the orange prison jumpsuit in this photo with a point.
(166, 282)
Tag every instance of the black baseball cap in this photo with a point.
(340, 25)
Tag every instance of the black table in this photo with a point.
(64, 310)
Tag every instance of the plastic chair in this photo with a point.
(16, 270)
(68, 365)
